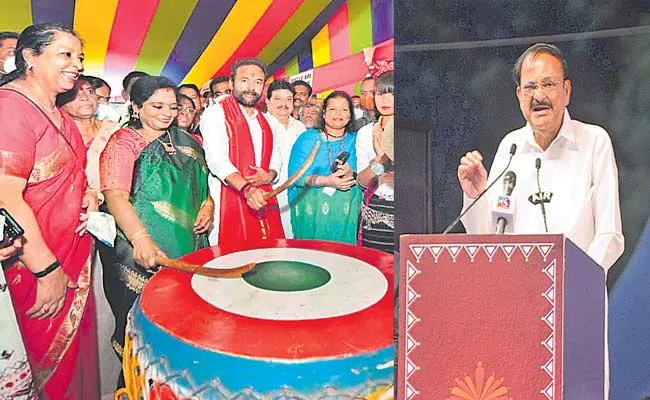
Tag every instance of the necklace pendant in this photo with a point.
(169, 148)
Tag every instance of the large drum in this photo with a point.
(313, 320)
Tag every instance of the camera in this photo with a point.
(11, 230)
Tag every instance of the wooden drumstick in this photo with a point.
(295, 176)
(184, 266)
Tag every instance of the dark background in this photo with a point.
(455, 93)
(458, 94)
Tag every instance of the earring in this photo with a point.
(136, 114)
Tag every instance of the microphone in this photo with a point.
(513, 149)
(538, 166)
(340, 160)
(504, 209)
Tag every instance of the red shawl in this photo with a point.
(238, 222)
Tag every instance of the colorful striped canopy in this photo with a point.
(195, 40)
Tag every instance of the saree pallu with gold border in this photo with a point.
(62, 350)
(167, 191)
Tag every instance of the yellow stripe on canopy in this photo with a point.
(15, 15)
(298, 22)
(320, 47)
(242, 18)
(165, 29)
(93, 21)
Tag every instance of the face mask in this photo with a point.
(104, 111)
(9, 64)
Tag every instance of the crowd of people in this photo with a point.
(183, 167)
(178, 168)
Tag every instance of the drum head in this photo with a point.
(304, 299)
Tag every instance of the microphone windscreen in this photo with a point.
(513, 149)
(538, 163)
(509, 182)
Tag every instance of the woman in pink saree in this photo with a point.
(44, 187)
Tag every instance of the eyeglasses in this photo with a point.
(310, 113)
(546, 86)
(187, 110)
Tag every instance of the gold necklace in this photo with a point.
(169, 147)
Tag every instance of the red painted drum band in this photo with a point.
(261, 336)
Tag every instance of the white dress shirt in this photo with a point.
(217, 149)
(365, 154)
(580, 170)
(285, 138)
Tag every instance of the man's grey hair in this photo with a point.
(310, 105)
(319, 119)
(534, 51)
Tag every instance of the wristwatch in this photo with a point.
(377, 168)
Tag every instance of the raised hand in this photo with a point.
(378, 140)
(472, 174)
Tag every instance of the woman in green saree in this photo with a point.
(154, 179)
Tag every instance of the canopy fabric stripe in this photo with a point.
(18, 18)
(166, 27)
(260, 36)
(61, 11)
(241, 19)
(305, 37)
(93, 21)
(196, 40)
(199, 32)
(130, 27)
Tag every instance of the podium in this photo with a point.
(499, 317)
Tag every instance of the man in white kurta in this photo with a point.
(216, 143)
(286, 129)
(577, 166)
(579, 169)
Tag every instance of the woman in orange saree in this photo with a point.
(44, 187)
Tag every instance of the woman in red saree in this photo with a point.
(42, 162)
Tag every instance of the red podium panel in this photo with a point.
(499, 317)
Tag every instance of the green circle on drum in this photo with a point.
(287, 276)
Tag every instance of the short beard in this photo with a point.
(242, 100)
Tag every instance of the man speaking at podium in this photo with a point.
(561, 173)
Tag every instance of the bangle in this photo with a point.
(311, 181)
(207, 203)
(139, 235)
(56, 264)
(243, 189)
